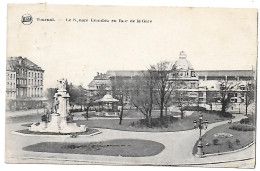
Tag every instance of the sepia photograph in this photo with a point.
(131, 85)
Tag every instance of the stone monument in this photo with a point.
(58, 122)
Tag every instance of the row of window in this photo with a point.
(34, 82)
(30, 73)
(21, 81)
(10, 94)
(10, 85)
(186, 74)
(34, 92)
(10, 76)
(29, 92)
(38, 75)
(30, 82)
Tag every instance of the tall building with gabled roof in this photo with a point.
(24, 81)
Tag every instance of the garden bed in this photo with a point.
(226, 138)
(117, 147)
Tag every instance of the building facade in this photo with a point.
(201, 86)
(24, 79)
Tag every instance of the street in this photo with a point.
(178, 145)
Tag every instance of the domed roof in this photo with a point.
(107, 98)
(182, 63)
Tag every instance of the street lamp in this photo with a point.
(200, 124)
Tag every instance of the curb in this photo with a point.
(37, 135)
(229, 152)
(73, 161)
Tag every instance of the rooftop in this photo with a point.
(216, 73)
(17, 62)
(221, 73)
(183, 63)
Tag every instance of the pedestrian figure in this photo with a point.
(56, 105)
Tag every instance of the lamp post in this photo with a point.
(200, 124)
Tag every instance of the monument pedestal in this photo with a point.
(58, 122)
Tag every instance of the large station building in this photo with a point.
(24, 84)
(198, 83)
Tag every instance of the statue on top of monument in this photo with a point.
(61, 85)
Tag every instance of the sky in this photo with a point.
(212, 38)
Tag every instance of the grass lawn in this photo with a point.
(178, 125)
(117, 147)
(225, 144)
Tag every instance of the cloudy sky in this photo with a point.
(213, 38)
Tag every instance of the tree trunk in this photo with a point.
(246, 104)
(223, 109)
(161, 110)
(182, 114)
(87, 112)
(149, 119)
(121, 114)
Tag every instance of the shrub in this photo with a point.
(69, 118)
(249, 121)
(215, 141)
(195, 108)
(237, 141)
(230, 144)
(75, 110)
(44, 118)
(226, 115)
(242, 127)
(155, 122)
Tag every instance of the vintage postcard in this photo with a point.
(117, 85)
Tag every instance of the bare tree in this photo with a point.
(249, 95)
(161, 74)
(142, 95)
(181, 97)
(226, 88)
(121, 91)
